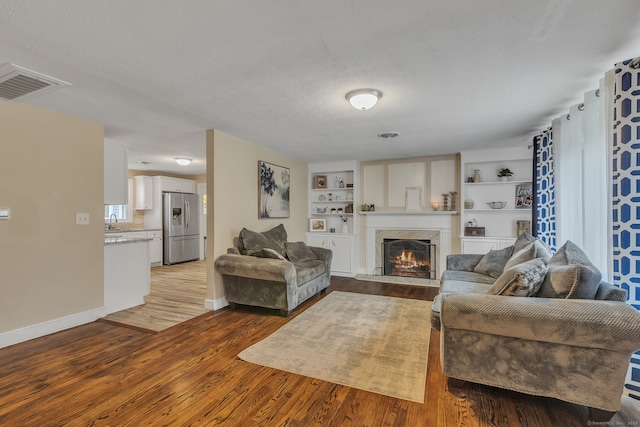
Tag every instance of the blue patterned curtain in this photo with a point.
(625, 219)
(626, 179)
(545, 189)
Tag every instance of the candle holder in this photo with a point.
(435, 206)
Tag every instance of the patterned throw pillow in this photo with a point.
(521, 280)
(492, 264)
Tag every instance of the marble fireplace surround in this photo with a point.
(434, 226)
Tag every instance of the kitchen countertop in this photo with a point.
(123, 240)
(129, 230)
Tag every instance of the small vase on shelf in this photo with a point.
(476, 175)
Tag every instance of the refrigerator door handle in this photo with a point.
(187, 214)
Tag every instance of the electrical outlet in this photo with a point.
(82, 218)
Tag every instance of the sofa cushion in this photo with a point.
(299, 252)
(606, 291)
(279, 235)
(570, 275)
(535, 249)
(492, 264)
(463, 287)
(467, 276)
(253, 241)
(266, 253)
(521, 280)
(308, 270)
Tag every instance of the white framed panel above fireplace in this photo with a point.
(435, 226)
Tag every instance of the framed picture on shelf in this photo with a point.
(320, 181)
(523, 196)
(318, 224)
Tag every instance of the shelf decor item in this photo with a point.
(476, 175)
(320, 181)
(452, 205)
(468, 203)
(497, 205)
(523, 196)
(474, 231)
(504, 174)
(273, 190)
(317, 224)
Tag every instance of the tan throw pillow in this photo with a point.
(571, 275)
(535, 249)
(492, 264)
(521, 280)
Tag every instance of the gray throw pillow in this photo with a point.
(571, 275)
(252, 241)
(267, 253)
(299, 252)
(535, 249)
(492, 264)
(279, 235)
(521, 280)
(523, 240)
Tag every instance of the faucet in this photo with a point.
(111, 224)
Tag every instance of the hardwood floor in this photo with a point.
(100, 374)
(177, 295)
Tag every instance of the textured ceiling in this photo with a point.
(456, 75)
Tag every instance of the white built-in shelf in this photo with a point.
(331, 201)
(497, 182)
(408, 213)
(499, 210)
(331, 214)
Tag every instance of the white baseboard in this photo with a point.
(50, 326)
(215, 304)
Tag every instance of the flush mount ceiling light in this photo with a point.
(363, 99)
(183, 161)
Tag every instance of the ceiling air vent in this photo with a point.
(20, 84)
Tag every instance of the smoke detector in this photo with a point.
(19, 84)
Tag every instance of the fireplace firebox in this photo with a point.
(409, 258)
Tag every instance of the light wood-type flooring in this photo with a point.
(177, 293)
(100, 374)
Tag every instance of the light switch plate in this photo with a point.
(82, 218)
(5, 213)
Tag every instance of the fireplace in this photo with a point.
(409, 258)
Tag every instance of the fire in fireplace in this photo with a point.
(409, 258)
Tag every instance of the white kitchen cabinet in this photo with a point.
(342, 246)
(144, 192)
(177, 185)
(155, 247)
(116, 186)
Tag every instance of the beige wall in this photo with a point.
(51, 167)
(232, 166)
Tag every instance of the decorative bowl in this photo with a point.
(497, 205)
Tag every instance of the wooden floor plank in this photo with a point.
(103, 375)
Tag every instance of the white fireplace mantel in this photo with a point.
(437, 224)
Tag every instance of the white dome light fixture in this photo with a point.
(183, 161)
(363, 99)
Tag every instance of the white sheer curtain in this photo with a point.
(582, 198)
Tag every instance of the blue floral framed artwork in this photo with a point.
(273, 190)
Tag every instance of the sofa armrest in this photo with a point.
(608, 325)
(325, 255)
(256, 268)
(463, 262)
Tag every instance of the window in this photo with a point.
(123, 213)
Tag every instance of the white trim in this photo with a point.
(50, 326)
(215, 304)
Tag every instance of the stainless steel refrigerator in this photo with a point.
(181, 233)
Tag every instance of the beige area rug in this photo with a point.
(369, 342)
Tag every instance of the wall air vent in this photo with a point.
(20, 84)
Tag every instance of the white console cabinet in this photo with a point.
(342, 248)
